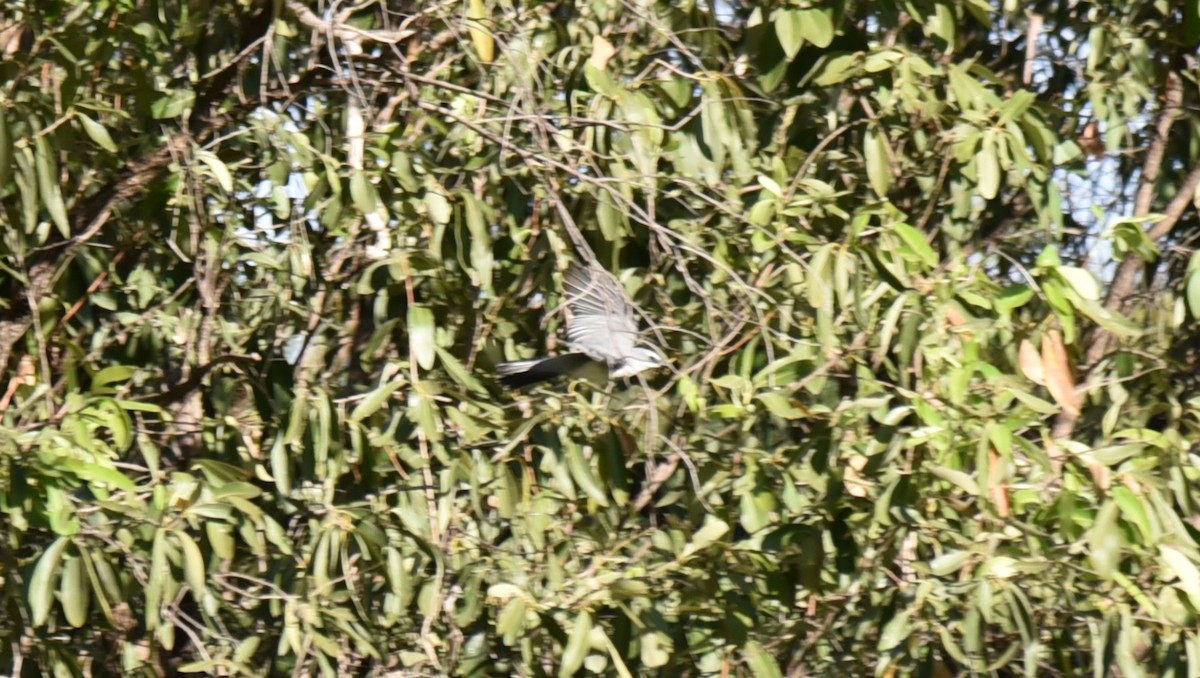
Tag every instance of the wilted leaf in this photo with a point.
(1056, 368)
(1031, 363)
(602, 52)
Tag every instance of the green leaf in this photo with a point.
(1185, 570)
(949, 562)
(962, 480)
(656, 649)
(363, 193)
(839, 69)
(882, 60)
(789, 28)
(481, 239)
(511, 621)
(458, 371)
(816, 26)
(193, 564)
(41, 583)
(601, 81)
(1016, 106)
(75, 593)
(987, 166)
(97, 132)
(896, 631)
(48, 185)
(879, 166)
(581, 472)
(1110, 320)
(437, 206)
(760, 662)
(1081, 280)
(577, 645)
(101, 474)
(173, 104)
(481, 36)
(111, 375)
(6, 147)
(421, 338)
(217, 168)
(1104, 541)
(916, 244)
(1013, 297)
(714, 528)
(779, 405)
(1193, 290)
(375, 399)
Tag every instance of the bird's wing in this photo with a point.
(601, 321)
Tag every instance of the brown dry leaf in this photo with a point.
(957, 319)
(955, 316)
(1031, 363)
(1133, 485)
(602, 52)
(998, 488)
(26, 376)
(1057, 370)
(14, 38)
(856, 485)
(1090, 141)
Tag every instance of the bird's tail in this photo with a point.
(522, 373)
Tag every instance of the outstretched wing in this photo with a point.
(601, 323)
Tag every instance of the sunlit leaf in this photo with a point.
(481, 37)
(879, 166)
(789, 28)
(97, 132)
(41, 583)
(421, 336)
(218, 169)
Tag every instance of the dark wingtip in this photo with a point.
(511, 376)
(519, 380)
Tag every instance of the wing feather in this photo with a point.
(601, 322)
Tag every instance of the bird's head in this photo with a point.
(639, 360)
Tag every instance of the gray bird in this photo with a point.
(602, 330)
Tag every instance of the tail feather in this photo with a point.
(522, 373)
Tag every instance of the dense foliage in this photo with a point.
(924, 270)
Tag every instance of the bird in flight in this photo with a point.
(601, 329)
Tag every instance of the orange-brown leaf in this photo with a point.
(602, 51)
(1031, 363)
(955, 316)
(1057, 370)
(998, 485)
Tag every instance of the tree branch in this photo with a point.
(1124, 281)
